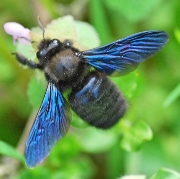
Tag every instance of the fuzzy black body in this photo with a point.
(61, 63)
(92, 95)
(99, 103)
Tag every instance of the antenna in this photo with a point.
(41, 26)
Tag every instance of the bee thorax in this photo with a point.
(62, 66)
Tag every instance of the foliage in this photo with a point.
(146, 141)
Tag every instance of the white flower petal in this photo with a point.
(18, 32)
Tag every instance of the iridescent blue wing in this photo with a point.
(51, 124)
(124, 55)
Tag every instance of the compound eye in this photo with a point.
(40, 54)
(55, 42)
(48, 47)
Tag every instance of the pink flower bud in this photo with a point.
(18, 32)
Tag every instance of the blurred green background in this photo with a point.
(145, 140)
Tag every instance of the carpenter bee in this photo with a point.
(93, 96)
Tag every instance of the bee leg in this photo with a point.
(24, 61)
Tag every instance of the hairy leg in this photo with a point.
(24, 61)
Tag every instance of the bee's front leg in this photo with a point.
(24, 61)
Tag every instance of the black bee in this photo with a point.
(93, 96)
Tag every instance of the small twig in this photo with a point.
(9, 166)
(22, 141)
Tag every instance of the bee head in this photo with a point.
(48, 47)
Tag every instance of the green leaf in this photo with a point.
(82, 34)
(26, 50)
(165, 173)
(95, 140)
(98, 18)
(62, 148)
(177, 34)
(127, 84)
(62, 28)
(77, 121)
(6, 149)
(135, 135)
(174, 95)
(35, 92)
(81, 167)
(6, 71)
(133, 177)
(87, 35)
(133, 10)
(36, 173)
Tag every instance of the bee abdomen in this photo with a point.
(99, 102)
